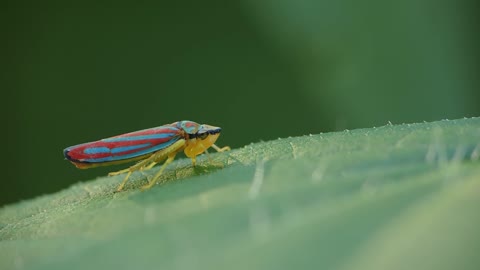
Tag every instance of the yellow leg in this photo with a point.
(150, 165)
(139, 166)
(223, 149)
(194, 161)
(119, 172)
(149, 162)
(153, 181)
(120, 187)
(226, 148)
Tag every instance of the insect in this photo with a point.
(150, 146)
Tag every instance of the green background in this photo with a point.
(76, 72)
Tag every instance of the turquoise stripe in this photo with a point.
(135, 154)
(128, 148)
(96, 150)
(141, 137)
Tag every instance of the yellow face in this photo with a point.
(198, 145)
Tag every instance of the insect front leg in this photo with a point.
(225, 148)
(194, 161)
(218, 149)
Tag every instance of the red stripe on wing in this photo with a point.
(125, 146)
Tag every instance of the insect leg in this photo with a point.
(152, 182)
(133, 168)
(148, 163)
(118, 172)
(194, 161)
(139, 165)
(120, 187)
(226, 148)
(223, 149)
(149, 166)
(169, 152)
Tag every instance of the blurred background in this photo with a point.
(77, 72)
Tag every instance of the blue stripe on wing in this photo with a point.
(121, 149)
(132, 155)
(141, 137)
(116, 150)
(96, 150)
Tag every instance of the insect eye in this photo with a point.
(202, 136)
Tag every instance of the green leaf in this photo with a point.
(394, 197)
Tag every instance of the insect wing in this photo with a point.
(125, 146)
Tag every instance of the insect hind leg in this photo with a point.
(119, 172)
(153, 181)
(120, 187)
(148, 163)
(139, 166)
